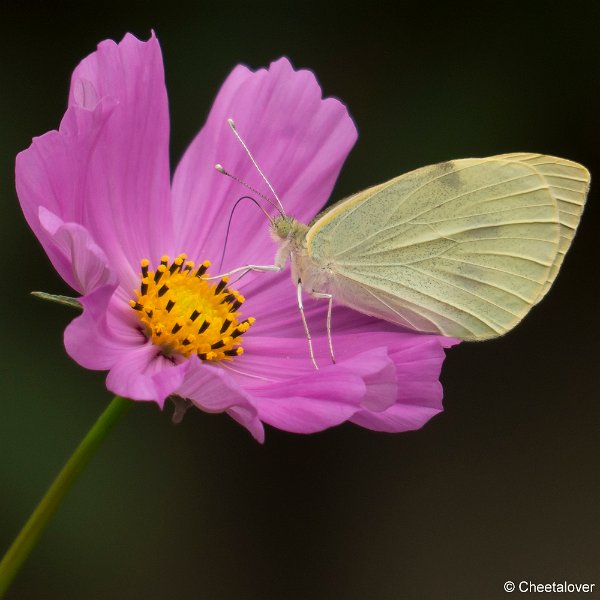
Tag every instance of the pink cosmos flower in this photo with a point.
(99, 197)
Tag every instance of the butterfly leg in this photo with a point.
(330, 304)
(306, 330)
(246, 269)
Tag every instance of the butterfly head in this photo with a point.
(284, 227)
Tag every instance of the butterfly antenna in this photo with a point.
(239, 137)
(231, 218)
(222, 170)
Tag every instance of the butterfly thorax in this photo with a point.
(290, 234)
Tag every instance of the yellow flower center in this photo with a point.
(185, 314)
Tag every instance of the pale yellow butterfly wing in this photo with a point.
(463, 248)
(569, 184)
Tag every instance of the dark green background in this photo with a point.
(503, 485)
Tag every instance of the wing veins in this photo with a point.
(427, 210)
(493, 269)
(436, 178)
(463, 242)
(465, 290)
(409, 265)
(568, 226)
(411, 221)
(555, 174)
(562, 187)
(492, 212)
(537, 262)
(493, 285)
(446, 237)
(392, 308)
(443, 302)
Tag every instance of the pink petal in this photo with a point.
(381, 380)
(51, 175)
(107, 337)
(274, 359)
(107, 168)
(400, 417)
(329, 396)
(211, 389)
(299, 140)
(404, 393)
(144, 374)
(248, 419)
(311, 403)
(277, 359)
(104, 333)
(82, 264)
(418, 360)
(271, 299)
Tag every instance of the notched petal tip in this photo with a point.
(283, 62)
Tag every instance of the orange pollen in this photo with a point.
(185, 314)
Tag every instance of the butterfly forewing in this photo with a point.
(463, 248)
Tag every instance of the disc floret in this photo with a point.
(184, 313)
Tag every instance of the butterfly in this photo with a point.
(463, 248)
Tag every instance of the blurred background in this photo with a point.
(502, 486)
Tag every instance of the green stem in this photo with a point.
(33, 529)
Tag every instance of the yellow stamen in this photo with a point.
(184, 314)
